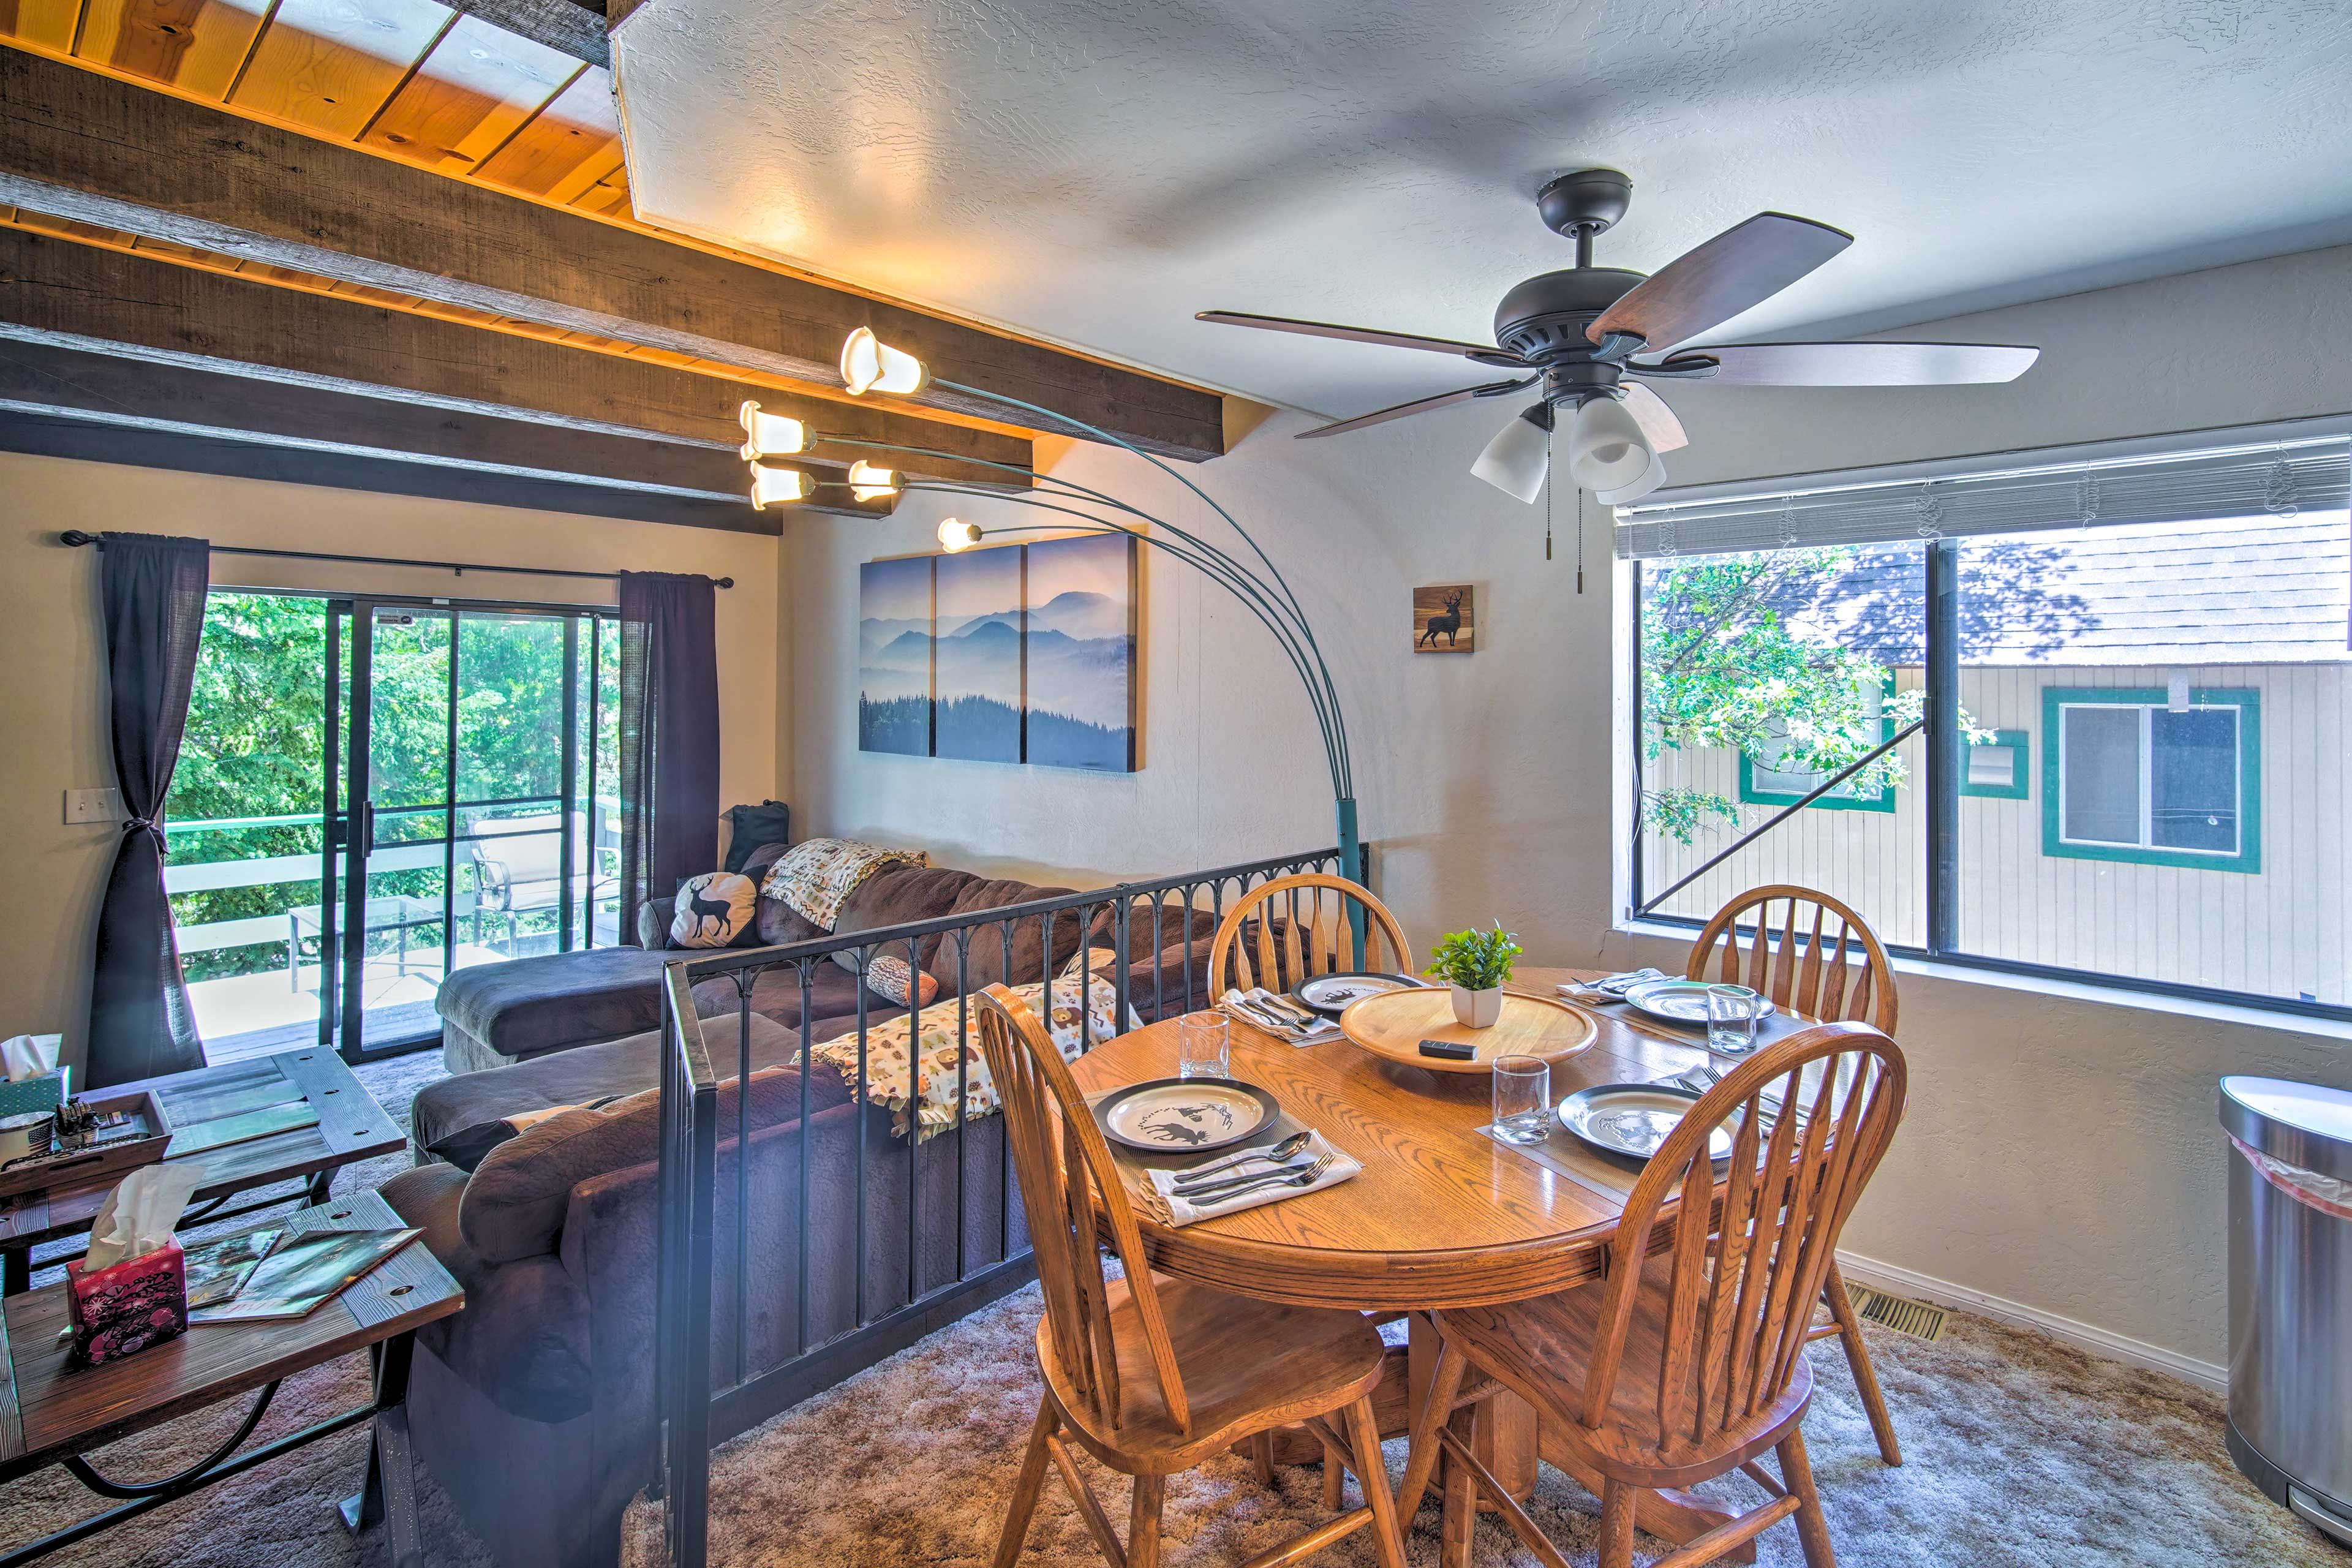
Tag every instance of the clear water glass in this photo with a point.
(1204, 1045)
(1522, 1100)
(1731, 1012)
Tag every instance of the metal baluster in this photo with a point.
(963, 1113)
(914, 1126)
(808, 1044)
(858, 1284)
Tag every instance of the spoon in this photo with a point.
(1276, 1153)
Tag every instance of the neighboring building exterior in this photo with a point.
(2166, 795)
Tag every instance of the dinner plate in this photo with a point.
(1188, 1115)
(1634, 1119)
(1680, 1002)
(1331, 992)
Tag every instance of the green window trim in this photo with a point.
(2019, 787)
(2056, 699)
(1883, 799)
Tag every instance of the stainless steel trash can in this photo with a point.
(2290, 1426)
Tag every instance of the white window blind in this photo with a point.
(2279, 477)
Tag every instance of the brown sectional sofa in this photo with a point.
(534, 1407)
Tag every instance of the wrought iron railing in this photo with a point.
(736, 1342)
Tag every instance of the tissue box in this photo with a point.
(138, 1302)
(46, 1092)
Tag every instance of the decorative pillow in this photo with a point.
(814, 879)
(943, 1056)
(1095, 962)
(886, 978)
(465, 1147)
(713, 909)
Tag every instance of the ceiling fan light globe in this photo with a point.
(1515, 460)
(1606, 450)
(770, 486)
(869, 365)
(1652, 477)
(770, 435)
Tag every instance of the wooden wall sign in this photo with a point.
(1442, 619)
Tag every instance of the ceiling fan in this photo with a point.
(1585, 331)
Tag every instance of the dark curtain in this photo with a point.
(152, 590)
(669, 736)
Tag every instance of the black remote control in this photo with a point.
(1451, 1050)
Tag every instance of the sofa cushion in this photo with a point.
(990, 963)
(591, 1075)
(531, 1005)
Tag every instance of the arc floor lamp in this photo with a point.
(868, 364)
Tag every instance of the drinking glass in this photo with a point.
(1522, 1100)
(1204, 1045)
(1731, 1013)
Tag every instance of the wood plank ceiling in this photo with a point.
(411, 81)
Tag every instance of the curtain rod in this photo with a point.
(75, 538)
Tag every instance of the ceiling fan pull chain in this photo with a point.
(1580, 541)
(2279, 495)
(1547, 503)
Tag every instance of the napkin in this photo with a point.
(1323, 1028)
(1611, 984)
(1183, 1211)
(139, 1214)
(30, 1055)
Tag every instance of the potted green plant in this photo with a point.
(1476, 964)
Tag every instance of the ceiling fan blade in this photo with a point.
(1418, 405)
(1487, 352)
(1742, 266)
(1659, 425)
(1853, 364)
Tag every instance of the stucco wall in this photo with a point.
(2061, 1153)
(53, 699)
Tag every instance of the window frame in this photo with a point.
(2244, 701)
(2020, 787)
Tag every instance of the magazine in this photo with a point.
(219, 1270)
(304, 1272)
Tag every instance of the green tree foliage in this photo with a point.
(1723, 666)
(257, 729)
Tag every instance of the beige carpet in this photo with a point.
(2020, 1451)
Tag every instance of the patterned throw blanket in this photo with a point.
(814, 878)
(944, 1059)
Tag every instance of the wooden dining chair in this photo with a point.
(1299, 929)
(1154, 1377)
(1689, 1361)
(1822, 962)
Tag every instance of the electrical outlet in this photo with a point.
(94, 806)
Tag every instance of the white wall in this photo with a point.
(53, 732)
(2061, 1153)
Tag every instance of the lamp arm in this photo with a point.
(1217, 569)
(1230, 522)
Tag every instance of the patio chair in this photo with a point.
(519, 870)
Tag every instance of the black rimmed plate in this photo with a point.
(1331, 993)
(1185, 1115)
(1634, 1119)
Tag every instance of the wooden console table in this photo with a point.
(53, 1412)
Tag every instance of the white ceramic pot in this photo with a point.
(1477, 1009)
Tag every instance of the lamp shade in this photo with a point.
(955, 534)
(770, 435)
(1515, 460)
(771, 485)
(870, 481)
(1606, 450)
(1652, 477)
(869, 365)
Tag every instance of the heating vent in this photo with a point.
(1900, 1313)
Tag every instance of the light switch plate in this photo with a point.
(94, 806)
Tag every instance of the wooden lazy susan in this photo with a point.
(1393, 1025)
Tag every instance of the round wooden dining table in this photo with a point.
(1441, 1214)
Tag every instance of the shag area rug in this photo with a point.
(2019, 1452)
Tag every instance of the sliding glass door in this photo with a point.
(376, 793)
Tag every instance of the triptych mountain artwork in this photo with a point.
(1021, 654)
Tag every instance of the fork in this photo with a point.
(1218, 1192)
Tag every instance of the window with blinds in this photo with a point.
(2097, 708)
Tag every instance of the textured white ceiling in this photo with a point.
(1095, 171)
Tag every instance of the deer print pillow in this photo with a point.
(713, 909)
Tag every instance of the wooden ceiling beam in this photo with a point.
(380, 377)
(89, 148)
(566, 26)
